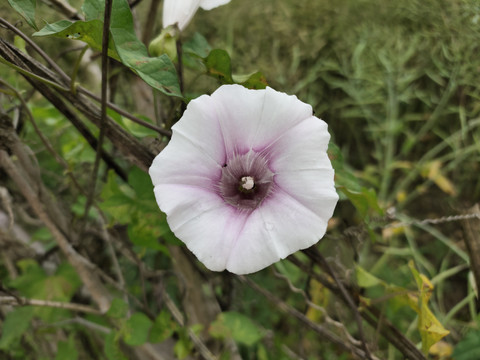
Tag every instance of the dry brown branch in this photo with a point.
(95, 287)
(46, 209)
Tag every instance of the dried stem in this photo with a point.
(22, 301)
(371, 314)
(177, 315)
(319, 329)
(471, 227)
(103, 109)
(318, 258)
(94, 286)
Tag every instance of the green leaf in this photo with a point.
(15, 324)
(118, 309)
(197, 45)
(141, 183)
(252, 81)
(93, 9)
(90, 32)
(66, 350)
(112, 347)
(26, 8)
(236, 326)
(183, 347)
(162, 328)
(469, 347)
(343, 176)
(34, 283)
(219, 66)
(365, 279)
(159, 72)
(365, 201)
(137, 329)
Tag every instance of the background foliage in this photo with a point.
(395, 81)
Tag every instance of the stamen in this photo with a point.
(247, 183)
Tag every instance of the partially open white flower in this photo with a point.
(246, 180)
(180, 12)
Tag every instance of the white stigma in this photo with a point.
(247, 182)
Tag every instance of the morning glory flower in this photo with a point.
(245, 180)
(180, 12)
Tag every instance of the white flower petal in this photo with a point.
(210, 4)
(275, 230)
(238, 111)
(280, 113)
(314, 189)
(252, 119)
(179, 12)
(182, 162)
(302, 147)
(304, 171)
(200, 125)
(202, 221)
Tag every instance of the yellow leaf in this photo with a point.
(441, 350)
(431, 330)
(320, 296)
(389, 232)
(401, 196)
(432, 171)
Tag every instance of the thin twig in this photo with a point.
(177, 315)
(84, 322)
(150, 22)
(434, 221)
(37, 48)
(319, 329)
(67, 80)
(371, 314)
(126, 114)
(105, 37)
(44, 140)
(315, 255)
(22, 301)
(24, 183)
(324, 312)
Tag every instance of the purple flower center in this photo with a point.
(246, 181)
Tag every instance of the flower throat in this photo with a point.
(246, 181)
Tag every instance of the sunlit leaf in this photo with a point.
(365, 279)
